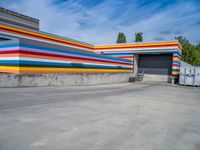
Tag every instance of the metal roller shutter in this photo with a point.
(160, 64)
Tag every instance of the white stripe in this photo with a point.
(9, 58)
(9, 48)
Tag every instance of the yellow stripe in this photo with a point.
(70, 69)
(67, 70)
(128, 58)
(175, 72)
(9, 68)
(177, 59)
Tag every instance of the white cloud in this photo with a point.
(99, 24)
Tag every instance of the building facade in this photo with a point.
(24, 49)
(18, 19)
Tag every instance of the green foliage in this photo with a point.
(190, 52)
(138, 37)
(121, 38)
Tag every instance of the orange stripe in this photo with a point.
(10, 71)
(10, 55)
(176, 57)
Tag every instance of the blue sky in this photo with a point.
(99, 21)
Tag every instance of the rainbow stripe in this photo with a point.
(40, 52)
(25, 57)
(119, 48)
(20, 20)
(176, 64)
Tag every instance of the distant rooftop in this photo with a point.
(18, 14)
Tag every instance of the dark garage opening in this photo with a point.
(160, 64)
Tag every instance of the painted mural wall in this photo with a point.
(41, 52)
(176, 63)
(127, 51)
(33, 57)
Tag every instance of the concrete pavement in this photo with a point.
(108, 117)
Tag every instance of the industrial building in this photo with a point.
(24, 49)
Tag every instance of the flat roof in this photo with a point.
(18, 14)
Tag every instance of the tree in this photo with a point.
(190, 52)
(182, 40)
(138, 37)
(121, 38)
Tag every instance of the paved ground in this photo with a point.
(110, 117)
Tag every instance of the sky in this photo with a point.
(99, 21)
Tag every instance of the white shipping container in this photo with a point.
(197, 76)
(189, 76)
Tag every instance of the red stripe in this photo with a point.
(57, 55)
(175, 65)
(9, 52)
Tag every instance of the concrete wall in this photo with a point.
(156, 78)
(25, 80)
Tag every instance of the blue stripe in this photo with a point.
(9, 45)
(179, 52)
(176, 62)
(175, 53)
(175, 69)
(52, 64)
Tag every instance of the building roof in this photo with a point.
(18, 14)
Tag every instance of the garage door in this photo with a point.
(160, 64)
